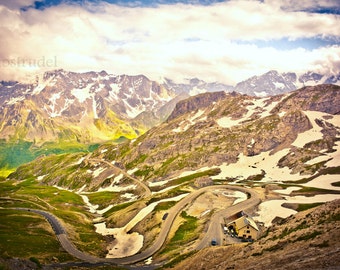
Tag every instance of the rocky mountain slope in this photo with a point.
(288, 142)
(307, 240)
(95, 106)
(267, 84)
(195, 86)
(69, 112)
(86, 107)
(279, 138)
(237, 127)
(273, 82)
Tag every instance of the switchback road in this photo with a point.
(216, 222)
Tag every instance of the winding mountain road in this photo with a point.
(214, 226)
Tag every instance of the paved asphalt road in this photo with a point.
(214, 230)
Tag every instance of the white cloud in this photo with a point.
(16, 4)
(168, 40)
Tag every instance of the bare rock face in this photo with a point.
(194, 103)
(271, 82)
(322, 98)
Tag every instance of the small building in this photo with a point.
(244, 227)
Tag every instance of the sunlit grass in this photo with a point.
(67, 206)
(26, 235)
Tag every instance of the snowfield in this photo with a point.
(247, 166)
(270, 209)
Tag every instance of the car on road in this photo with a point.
(213, 242)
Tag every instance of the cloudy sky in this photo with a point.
(225, 41)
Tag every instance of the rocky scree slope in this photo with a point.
(307, 240)
(200, 136)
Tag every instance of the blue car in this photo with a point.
(214, 242)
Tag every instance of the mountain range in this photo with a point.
(283, 137)
(67, 111)
(283, 147)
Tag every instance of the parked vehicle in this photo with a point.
(165, 216)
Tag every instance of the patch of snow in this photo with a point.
(179, 129)
(52, 111)
(317, 160)
(251, 143)
(157, 184)
(82, 94)
(240, 196)
(114, 188)
(335, 156)
(79, 161)
(41, 86)
(260, 94)
(61, 188)
(124, 244)
(282, 114)
(186, 173)
(312, 134)
(101, 212)
(15, 100)
(132, 112)
(148, 209)
(227, 122)
(130, 172)
(287, 191)
(279, 85)
(324, 182)
(186, 124)
(98, 171)
(270, 209)
(117, 179)
(247, 166)
(148, 261)
(129, 196)
(81, 189)
(41, 177)
(92, 208)
(165, 189)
